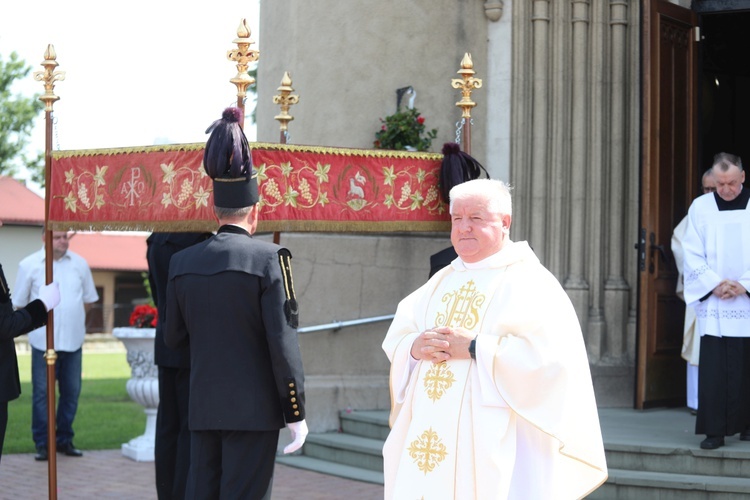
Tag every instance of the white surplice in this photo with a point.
(717, 247)
(690, 338)
(519, 422)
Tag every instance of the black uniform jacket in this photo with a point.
(161, 248)
(12, 324)
(232, 298)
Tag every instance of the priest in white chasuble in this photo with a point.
(491, 390)
(717, 279)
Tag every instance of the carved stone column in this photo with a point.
(574, 164)
(575, 283)
(595, 171)
(538, 188)
(633, 108)
(616, 288)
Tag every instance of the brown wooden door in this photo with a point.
(668, 165)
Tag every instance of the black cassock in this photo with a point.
(724, 370)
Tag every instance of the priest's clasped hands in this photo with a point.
(442, 343)
(728, 289)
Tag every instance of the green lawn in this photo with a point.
(106, 417)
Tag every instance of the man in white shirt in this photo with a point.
(78, 292)
(717, 279)
(491, 393)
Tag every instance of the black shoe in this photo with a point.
(712, 442)
(745, 435)
(69, 450)
(41, 454)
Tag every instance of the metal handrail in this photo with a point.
(338, 325)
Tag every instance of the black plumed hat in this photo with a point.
(456, 168)
(228, 162)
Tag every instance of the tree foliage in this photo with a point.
(253, 89)
(17, 116)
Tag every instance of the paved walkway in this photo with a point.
(106, 474)
(100, 475)
(109, 475)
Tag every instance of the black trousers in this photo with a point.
(172, 446)
(723, 385)
(3, 423)
(232, 465)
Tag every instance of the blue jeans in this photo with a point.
(68, 373)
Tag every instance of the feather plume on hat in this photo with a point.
(228, 162)
(227, 152)
(456, 168)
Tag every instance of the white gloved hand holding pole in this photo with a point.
(50, 295)
(299, 433)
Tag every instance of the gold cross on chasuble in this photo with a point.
(438, 379)
(427, 451)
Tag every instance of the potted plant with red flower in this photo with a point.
(144, 316)
(404, 130)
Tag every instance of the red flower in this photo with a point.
(420, 119)
(144, 316)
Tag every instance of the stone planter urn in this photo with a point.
(143, 387)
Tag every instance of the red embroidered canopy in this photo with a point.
(302, 188)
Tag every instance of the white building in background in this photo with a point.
(117, 260)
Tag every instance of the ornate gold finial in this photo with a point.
(285, 99)
(243, 55)
(49, 76)
(466, 84)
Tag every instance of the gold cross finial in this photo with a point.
(243, 55)
(49, 76)
(467, 83)
(285, 99)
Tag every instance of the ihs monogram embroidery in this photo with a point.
(427, 451)
(437, 380)
(461, 310)
(461, 307)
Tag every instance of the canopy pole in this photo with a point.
(284, 99)
(49, 76)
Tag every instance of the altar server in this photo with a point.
(717, 279)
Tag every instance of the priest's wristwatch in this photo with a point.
(473, 348)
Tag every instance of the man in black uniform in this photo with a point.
(232, 298)
(12, 324)
(172, 447)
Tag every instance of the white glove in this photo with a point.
(299, 433)
(50, 295)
